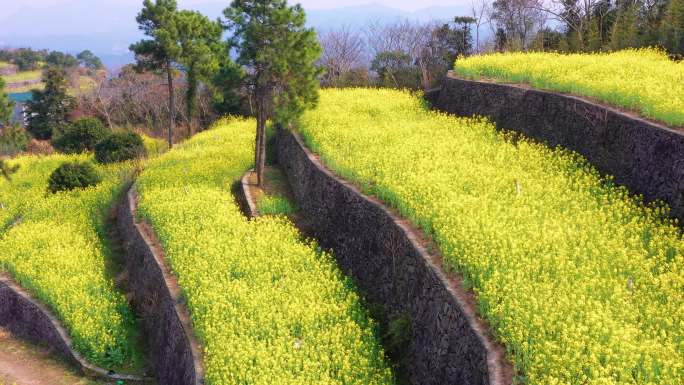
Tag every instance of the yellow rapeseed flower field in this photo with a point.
(642, 80)
(268, 307)
(580, 281)
(55, 246)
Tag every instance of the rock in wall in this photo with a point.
(383, 255)
(646, 157)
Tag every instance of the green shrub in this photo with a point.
(73, 175)
(13, 140)
(119, 147)
(80, 136)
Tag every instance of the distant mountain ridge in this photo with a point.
(109, 27)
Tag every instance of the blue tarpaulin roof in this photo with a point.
(22, 97)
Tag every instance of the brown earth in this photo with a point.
(25, 364)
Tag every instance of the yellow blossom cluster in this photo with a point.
(643, 80)
(582, 282)
(268, 307)
(55, 246)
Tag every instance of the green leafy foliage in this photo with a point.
(13, 140)
(226, 83)
(272, 39)
(579, 280)
(73, 175)
(268, 307)
(89, 60)
(201, 47)
(119, 147)
(672, 27)
(6, 106)
(81, 136)
(179, 40)
(61, 59)
(48, 111)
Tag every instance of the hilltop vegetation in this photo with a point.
(23, 68)
(579, 280)
(643, 80)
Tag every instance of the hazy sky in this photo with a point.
(108, 26)
(408, 5)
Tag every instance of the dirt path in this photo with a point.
(25, 364)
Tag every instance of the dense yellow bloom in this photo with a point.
(268, 307)
(580, 281)
(642, 80)
(54, 245)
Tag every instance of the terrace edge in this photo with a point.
(176, 354)
(384, 255)
(27, 318)
(250, 206)
(644, 156)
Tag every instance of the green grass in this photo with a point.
(28, 88)
(23, 76)
(275, 205)
(268, 307)
(580, 281)
(642, 80)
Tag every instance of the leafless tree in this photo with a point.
(414, 39)
(140, 100)
(577, 15)
(519, 18)
(480, 10)
(343, 51)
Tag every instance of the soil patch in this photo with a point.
(25, 364)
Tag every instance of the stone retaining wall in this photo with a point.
(174, 352)
(382, 253)
(26, 318)
(646, 157)
(249, 206)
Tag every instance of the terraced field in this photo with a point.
(268, 307)
(642, 80)
(579, 280)
(25, 81)
(55, 246)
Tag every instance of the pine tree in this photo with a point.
(594, 42)
(158, 21)
(625, 33)
(672, 27)
(48, 110)
(280, 53)
(200, 42)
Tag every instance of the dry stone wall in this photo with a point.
(383, 255)
(174, 351)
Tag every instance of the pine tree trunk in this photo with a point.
(260, 145)
(261, 140)
(191, 99)
(172, 104)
